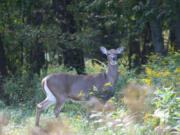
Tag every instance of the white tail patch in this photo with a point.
(49, 94)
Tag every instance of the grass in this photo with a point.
(143, 104)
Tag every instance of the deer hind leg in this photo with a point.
(50, 99)
(41, 106)
(59, 104)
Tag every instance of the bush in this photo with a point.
(20, 89)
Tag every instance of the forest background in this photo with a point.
(38, 37)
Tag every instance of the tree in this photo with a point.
(73, 57)
(36, 55)
(3, 70)
(177, 31)
(156, 30)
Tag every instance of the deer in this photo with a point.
(58, 87)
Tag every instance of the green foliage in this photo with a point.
(20, 89)
(167, 103)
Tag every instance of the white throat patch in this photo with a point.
(113, 62)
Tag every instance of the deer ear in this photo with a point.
(120, 50)
(103, 50)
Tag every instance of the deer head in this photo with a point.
(112, 54)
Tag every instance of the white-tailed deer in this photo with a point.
(59, 87)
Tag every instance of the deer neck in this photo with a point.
(112, 73)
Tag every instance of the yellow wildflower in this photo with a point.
(146, 117)
(91, 93)
(156, 74)
(148, 71)
(110, 100)
(104, 90)
(168, 84)
(166, 73)
(133, 56)
(80, 94)
(147, 81)
(129, 80)
(107, 84)
(77, 118)
(161, 122)
(177, 70)
(153, 56)
(152, 73)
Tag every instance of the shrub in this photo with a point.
(23, 89)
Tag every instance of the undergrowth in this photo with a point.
(143, 104)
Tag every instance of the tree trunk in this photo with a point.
(147, 45)
(21, 53)
(74, 58)
(172, 37)
(36, 56)
(177, 35)
(156, 32)
(157, 38)
(3, 71)
(134, 55)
